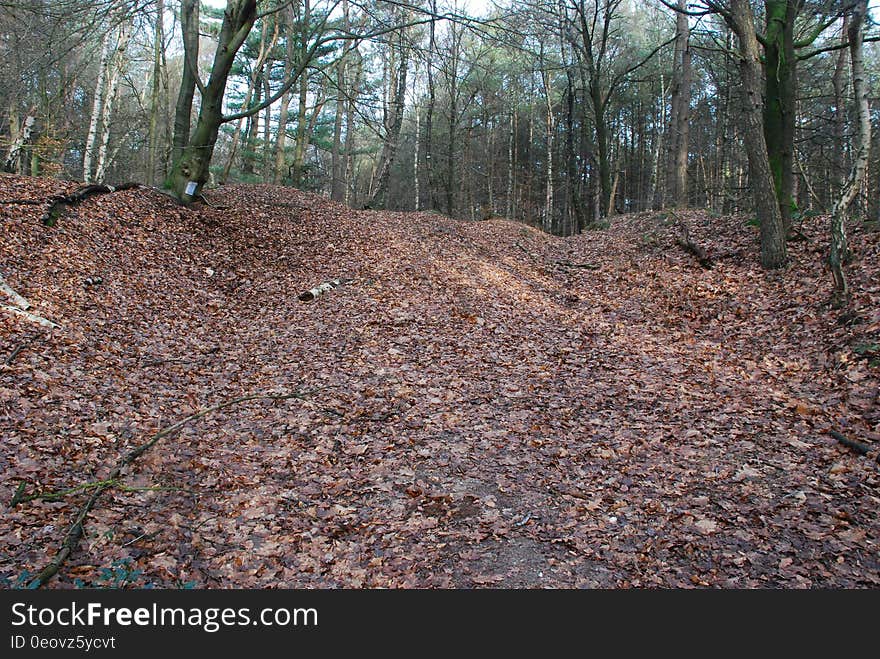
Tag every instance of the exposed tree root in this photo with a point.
(60, 203)
(75, 533)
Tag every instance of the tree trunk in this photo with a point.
(156, 93)
(602, 148)
(452, 79)
(353, 73)
(658, 181)
(281, 140)
(511, 164)
(429, 112)
(191, 169)
(773, 250)
(189, 21)
(13, 157)
(255, 82)
(337, 166)
(279, 168)
(679, 120)
(97, 105)
(780, 61)
(394, 121)
(550, 126)
(573, 173)
(251, 133)
(299, 150)
(114, 71)
(838, 84)
(417, 200)
(337, 162)
(267, 163)
(839, 252)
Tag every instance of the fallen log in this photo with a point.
(17, 299)
(34, 318)
(59, 203)
(320, 289)
(21, 306)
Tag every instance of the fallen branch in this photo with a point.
(22, 202)
(75, 533)
(21, 497)
(30, 316)
(528, 253)
(314, 293)
(17, 299)
(59, 203)
(859, 447)
(684, 241)
(692, 248)
(15, 353)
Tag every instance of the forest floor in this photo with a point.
(481, 405)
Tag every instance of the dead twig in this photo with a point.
(75, 533)
(15, 352)
(22, 202)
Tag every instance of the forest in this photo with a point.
(559, 114)
(439, 293)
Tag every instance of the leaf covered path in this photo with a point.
(479, 411)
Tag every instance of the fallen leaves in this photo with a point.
(479, 416)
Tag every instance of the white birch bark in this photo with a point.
(97, 104)
(115, 69)
(12, 159)
(839, 253)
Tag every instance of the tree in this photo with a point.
(773, 251)
(595, 33)
(398, 52)
(191, 169)
(839, 252)
(189, 23)
(676, 186)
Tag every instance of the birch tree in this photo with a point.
(839, 252)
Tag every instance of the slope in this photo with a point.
(481, 405)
